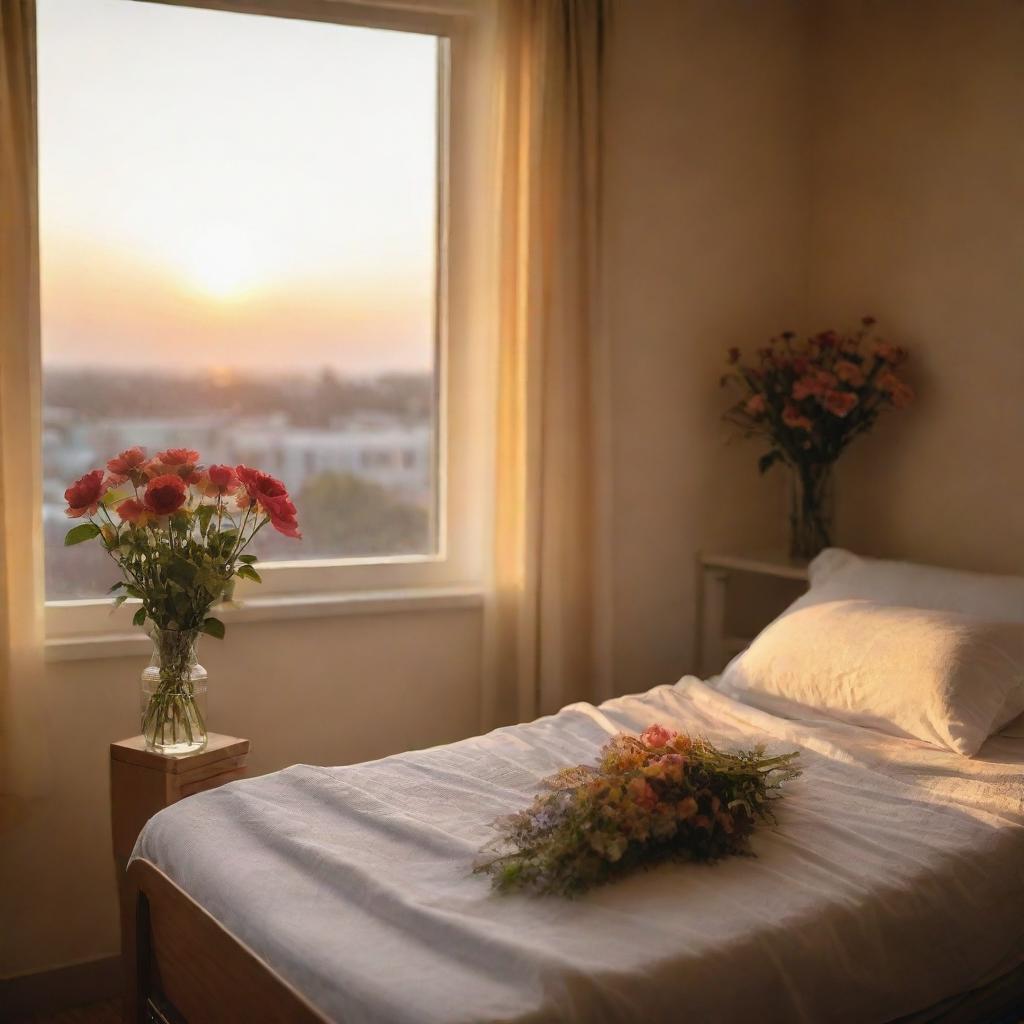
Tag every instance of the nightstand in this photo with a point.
(738, 595)
(143, 782)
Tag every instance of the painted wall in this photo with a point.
(706, 207)
(320, 691)
(917, 154)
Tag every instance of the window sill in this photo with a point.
(275, 609)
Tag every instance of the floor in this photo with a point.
(96, 1013)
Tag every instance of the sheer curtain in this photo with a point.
(547, 634)
(21, 586)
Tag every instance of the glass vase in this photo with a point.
(174, 694)
(811, 510)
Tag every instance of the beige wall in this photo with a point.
(320, 691)
(918, 217)
(706, 190)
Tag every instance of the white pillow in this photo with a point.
(837, 574)
(940, 677)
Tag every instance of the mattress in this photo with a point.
(893, 879)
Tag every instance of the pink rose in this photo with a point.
(84, 495)
(755, 405)
(134, 512)
(804, 388)
(272, 497)
(219, 480)
(840, 403)
(129, 465)
(179, 461)
(849, 373)
(816, 382)
(165, 494)
(900, 394)
(658, 736)
(795, 420)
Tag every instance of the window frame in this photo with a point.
(461, 368)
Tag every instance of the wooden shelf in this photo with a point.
(722, 591)
(143, 782)
(764, 563)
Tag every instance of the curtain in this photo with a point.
(547, 634)
(21, 590)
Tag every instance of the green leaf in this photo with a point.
(248, 559)
(117, 586)
(213, 627)
(134, 591)
(247, 572)
(111, 498)
(139, 617)
(120, 600)
(767, 461)
(77, 534)
(204, 513)
(181, 570)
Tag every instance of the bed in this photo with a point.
(891, 888)
(893, 882)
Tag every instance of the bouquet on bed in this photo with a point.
(178, 532)
(660, 796)
(808, 399)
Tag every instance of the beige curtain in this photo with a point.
(548, 636)
(21, 592)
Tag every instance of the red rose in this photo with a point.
(218, 480)
(165, 494)
(128, 465)
(83, 496)
(179, 461)
(272, 497)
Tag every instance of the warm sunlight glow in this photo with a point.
(222, 266)
(238, 189)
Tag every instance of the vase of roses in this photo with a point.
(808, 400)
(179, 534)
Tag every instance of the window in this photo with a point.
(244, 247)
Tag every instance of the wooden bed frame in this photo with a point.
(183, 967)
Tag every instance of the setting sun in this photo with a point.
(222, 266)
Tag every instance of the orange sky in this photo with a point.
(231, 190)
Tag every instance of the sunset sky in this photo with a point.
(234, 191)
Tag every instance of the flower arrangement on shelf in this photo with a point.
(178, 533)
(808, 400)
(660, 796)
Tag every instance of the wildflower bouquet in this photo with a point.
(178, 533)
(662, 796)
(808, 400)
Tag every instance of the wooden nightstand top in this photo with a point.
(762, 563)
(218, 748)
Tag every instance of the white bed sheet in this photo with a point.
(894, 878)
